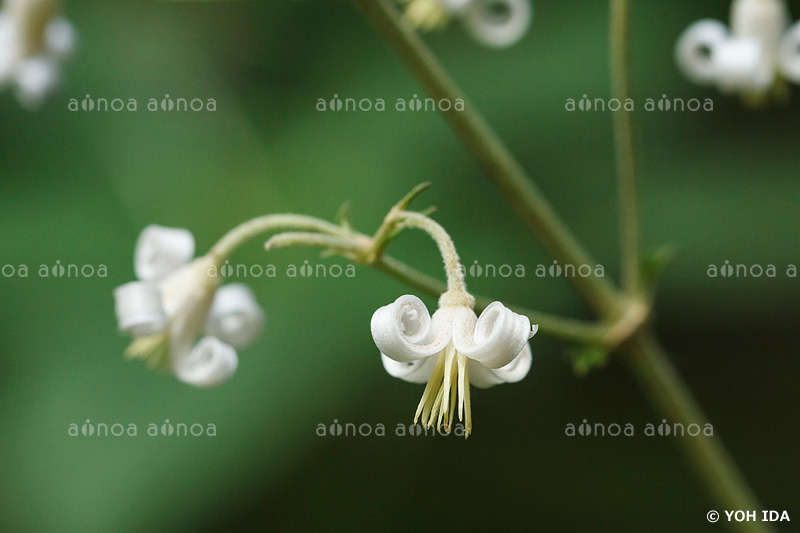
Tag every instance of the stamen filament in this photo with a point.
(425, 404)
(450, 380)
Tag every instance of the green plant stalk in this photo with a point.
(660, 382)
(481, 141)
(619, 66)
(648, 363)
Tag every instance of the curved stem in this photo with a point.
(481, 141)
(350, 247)
(247, 230)
(619, 63)
(452, 263)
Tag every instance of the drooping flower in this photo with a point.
(450, 350)
(178, 299)
(34, 41)
(496, 23)
(751, 58)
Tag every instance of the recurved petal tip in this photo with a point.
(210, 363)
(515, 371)
(235, 317)
(740, 64)
(789, 53)
(160, 251)
(453, 5)
(61, 38)
(403, 330)
(498, 336)
(36, 79)
(139, 309)
(418, 371)
(695, 48)
(498, 23)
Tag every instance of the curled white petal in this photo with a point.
(740, 64)
(498, 23)
(36, 78)
(418, 371)
(454, 6)
(235, 317)
(404, 330)
(789, 53)
(515, 371)
(208, 364)
(60, 38)
(694, 49)
(496, 338)
(139, 309)
(160, 251)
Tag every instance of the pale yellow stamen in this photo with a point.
(151, 349)
(448, 384)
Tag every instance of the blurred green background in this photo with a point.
(77, 187)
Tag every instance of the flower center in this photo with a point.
(449, 382)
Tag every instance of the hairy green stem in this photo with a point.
(447, 249)
(619, 65)
(247, 230)
(481, 141)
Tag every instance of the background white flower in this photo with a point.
(34, 42)
(751, 58)
(177, 300)
(496, 23)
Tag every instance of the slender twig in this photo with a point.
(661, 383)
(619, 63)
(498, 163)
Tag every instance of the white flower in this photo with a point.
(176, 301)
(450, 350)
(496, 23)
(751, 57)
(33, 44)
